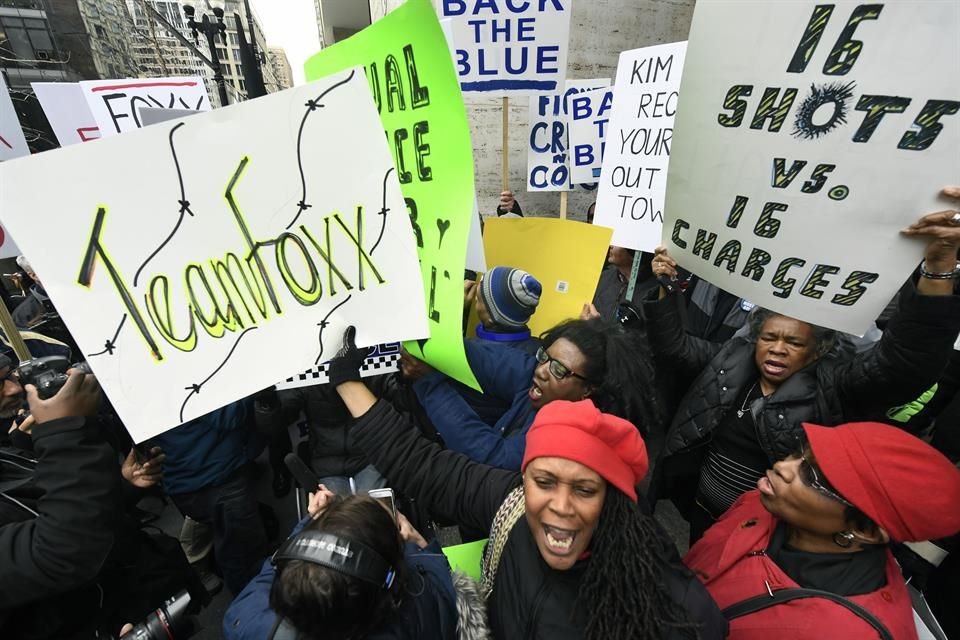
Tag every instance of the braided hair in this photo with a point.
(625, 593)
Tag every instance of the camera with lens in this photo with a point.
(168, 622)
(48, 374)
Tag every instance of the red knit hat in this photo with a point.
(899, 481)
(577, 431)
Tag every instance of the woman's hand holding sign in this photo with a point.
(939, 269)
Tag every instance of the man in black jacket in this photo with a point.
(57, 513)
(749, 397)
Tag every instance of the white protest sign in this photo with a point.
(808, 135)
(588, 118)
(12, 142)
(547, 145)
(259, 233)
(633, 175)
(67, 111)
(509, 47)
(475, 260)
(114, 103)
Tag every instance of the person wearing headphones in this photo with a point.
(350, 571)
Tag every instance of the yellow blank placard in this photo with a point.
(564, 255)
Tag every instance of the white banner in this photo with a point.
(198, 261)
(588, 118)
(548, 167)
(67, 112)
(509, 48)
(808, 135)
(115, 103)
(475, 260)
(633, 176)
(13, 144)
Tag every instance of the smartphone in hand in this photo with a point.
(385, 497)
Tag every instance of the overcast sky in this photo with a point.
(291, 24)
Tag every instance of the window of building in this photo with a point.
(236, 54)
(24, 37)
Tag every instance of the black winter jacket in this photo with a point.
(75, 491)
(907, 361)
(529, 599)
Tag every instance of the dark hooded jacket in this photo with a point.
(907, 361)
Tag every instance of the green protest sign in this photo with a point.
(415, 87)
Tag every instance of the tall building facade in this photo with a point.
(159, 53)
(281, 67)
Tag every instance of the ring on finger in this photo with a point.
(955, 218)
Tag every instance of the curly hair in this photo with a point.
(625, 593)
(619, 367)
(324, 603)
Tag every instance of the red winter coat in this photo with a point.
(729, 560)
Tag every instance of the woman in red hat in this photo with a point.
(571, 555)
(806, 555)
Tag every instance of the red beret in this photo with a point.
(899, 481)
(578, 431)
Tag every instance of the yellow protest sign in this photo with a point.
(564, 255)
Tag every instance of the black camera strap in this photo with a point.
(758, 603)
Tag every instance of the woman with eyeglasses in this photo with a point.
(577, 359)
(571, 554)
(806, 555)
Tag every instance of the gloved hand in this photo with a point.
(345, 366)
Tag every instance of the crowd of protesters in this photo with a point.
(817, 473)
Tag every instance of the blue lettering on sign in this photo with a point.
(543, 59)
(583, 155)
(512, 85)
(534, 182)
(534, 130)
(459, 7)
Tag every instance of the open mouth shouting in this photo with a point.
(774, 368)
(559, 541)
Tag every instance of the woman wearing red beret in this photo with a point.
(821, 520)
(571, 555)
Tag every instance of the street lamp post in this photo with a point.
(211, 30)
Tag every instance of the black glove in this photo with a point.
(345, 366)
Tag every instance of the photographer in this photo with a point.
(57, 513)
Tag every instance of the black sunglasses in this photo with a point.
(810, 477)
(557, 369)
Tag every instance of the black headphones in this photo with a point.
(343, 555)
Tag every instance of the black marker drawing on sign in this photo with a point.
(442, 225)
(110, 344)
(183, 202)
(384, 209)
(312, 105)
(837, 93)
(195, 388)
(323, 325)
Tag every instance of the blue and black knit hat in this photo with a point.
(510, 295)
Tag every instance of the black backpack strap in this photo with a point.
(757, 603)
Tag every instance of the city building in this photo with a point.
(281, 67)
(160, 53)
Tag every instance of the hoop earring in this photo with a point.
(843, 539)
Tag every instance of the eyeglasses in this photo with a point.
(810, 477)
(557, 369)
